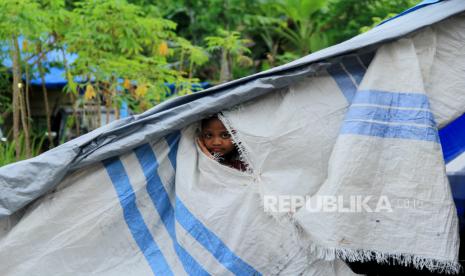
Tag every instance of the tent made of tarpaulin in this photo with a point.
(358, 120)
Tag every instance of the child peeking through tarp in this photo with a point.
(216, 142)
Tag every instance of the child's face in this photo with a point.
(216, 138)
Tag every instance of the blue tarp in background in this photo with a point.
(55, 77)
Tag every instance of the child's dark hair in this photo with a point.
(205, 121)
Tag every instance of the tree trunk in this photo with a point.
(44, 91)
(274, 53)
(22, 105)
(15, 97)
(99, 109)
(72, 95)
(27, 142)
(225, 73)
(117, 115)
(191, 69)
(77, 124)
(28, 103)
(108, 104)
(230, 66)
(114, 103)
(181, 67)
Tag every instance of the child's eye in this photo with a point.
(225, 135)
(207, 135)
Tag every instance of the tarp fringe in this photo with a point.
(243, 155)
(404, 259)
(347, 254)
(365, 255)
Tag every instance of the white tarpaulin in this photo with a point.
(361, 125)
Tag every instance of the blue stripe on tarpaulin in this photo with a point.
(386, 130)
(453, 138)
(207, 238)
(160, 199)
(204, 236)
(133, 217)
(392, 99)
(211, 242)
(343, 81)
(173, 141)
(349, 73)
(390, 115)
(355, 68)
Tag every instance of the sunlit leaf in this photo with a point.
(163, 48)
(90, 92)
(141, 90)
(127, 83)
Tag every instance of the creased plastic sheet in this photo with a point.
(377, 140)
(22, 182)
(363, 124)
(127, 216)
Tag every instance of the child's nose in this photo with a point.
(217, 141)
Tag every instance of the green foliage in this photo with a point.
(233, 50)
(7, 153)
(113, 37)
(5, 95)
(117, 40)
(193, 55)
(7, 149)
(279, 28)
(344, 19)
(21, 17)
(300, 30)
(376, 22)
(199, 19)
(287, 57)
(230, 42)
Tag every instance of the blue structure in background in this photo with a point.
(55, 78)
(124, 110)
(452, 139)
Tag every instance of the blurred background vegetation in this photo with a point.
(117, 57)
